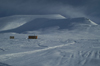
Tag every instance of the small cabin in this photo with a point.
(11, 37)
(32, 37)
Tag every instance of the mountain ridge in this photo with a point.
(11, 22)
(44, 23)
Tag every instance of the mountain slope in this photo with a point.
(59, 48)
(15, 21)
(44, 23)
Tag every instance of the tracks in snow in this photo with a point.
(85, 58)
(12, 55)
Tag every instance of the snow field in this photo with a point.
(61, 41)
(56, 49)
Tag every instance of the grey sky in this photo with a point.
(68, 8)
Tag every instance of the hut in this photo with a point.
(11, 37)
(32, 37)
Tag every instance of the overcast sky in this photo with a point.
(68, 8)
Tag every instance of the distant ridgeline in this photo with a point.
(45, 23)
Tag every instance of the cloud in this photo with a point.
(68, 8)
(69, 11)
(41, 7)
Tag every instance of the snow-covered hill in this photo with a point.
(61, 41)
(56, 23)
(15, 21)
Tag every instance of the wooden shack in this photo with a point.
(32, 37)
(11, 37)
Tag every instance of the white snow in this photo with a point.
(47, 22)
(60, 48)
(12, 25)
(53, 47)
(93, 22)
(15, 21)
(29, 52)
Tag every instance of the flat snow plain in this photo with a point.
(59, 48)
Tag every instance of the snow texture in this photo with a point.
(45, 23)
(19, 20)
(58, 44)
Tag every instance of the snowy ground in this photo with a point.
(60, 48)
